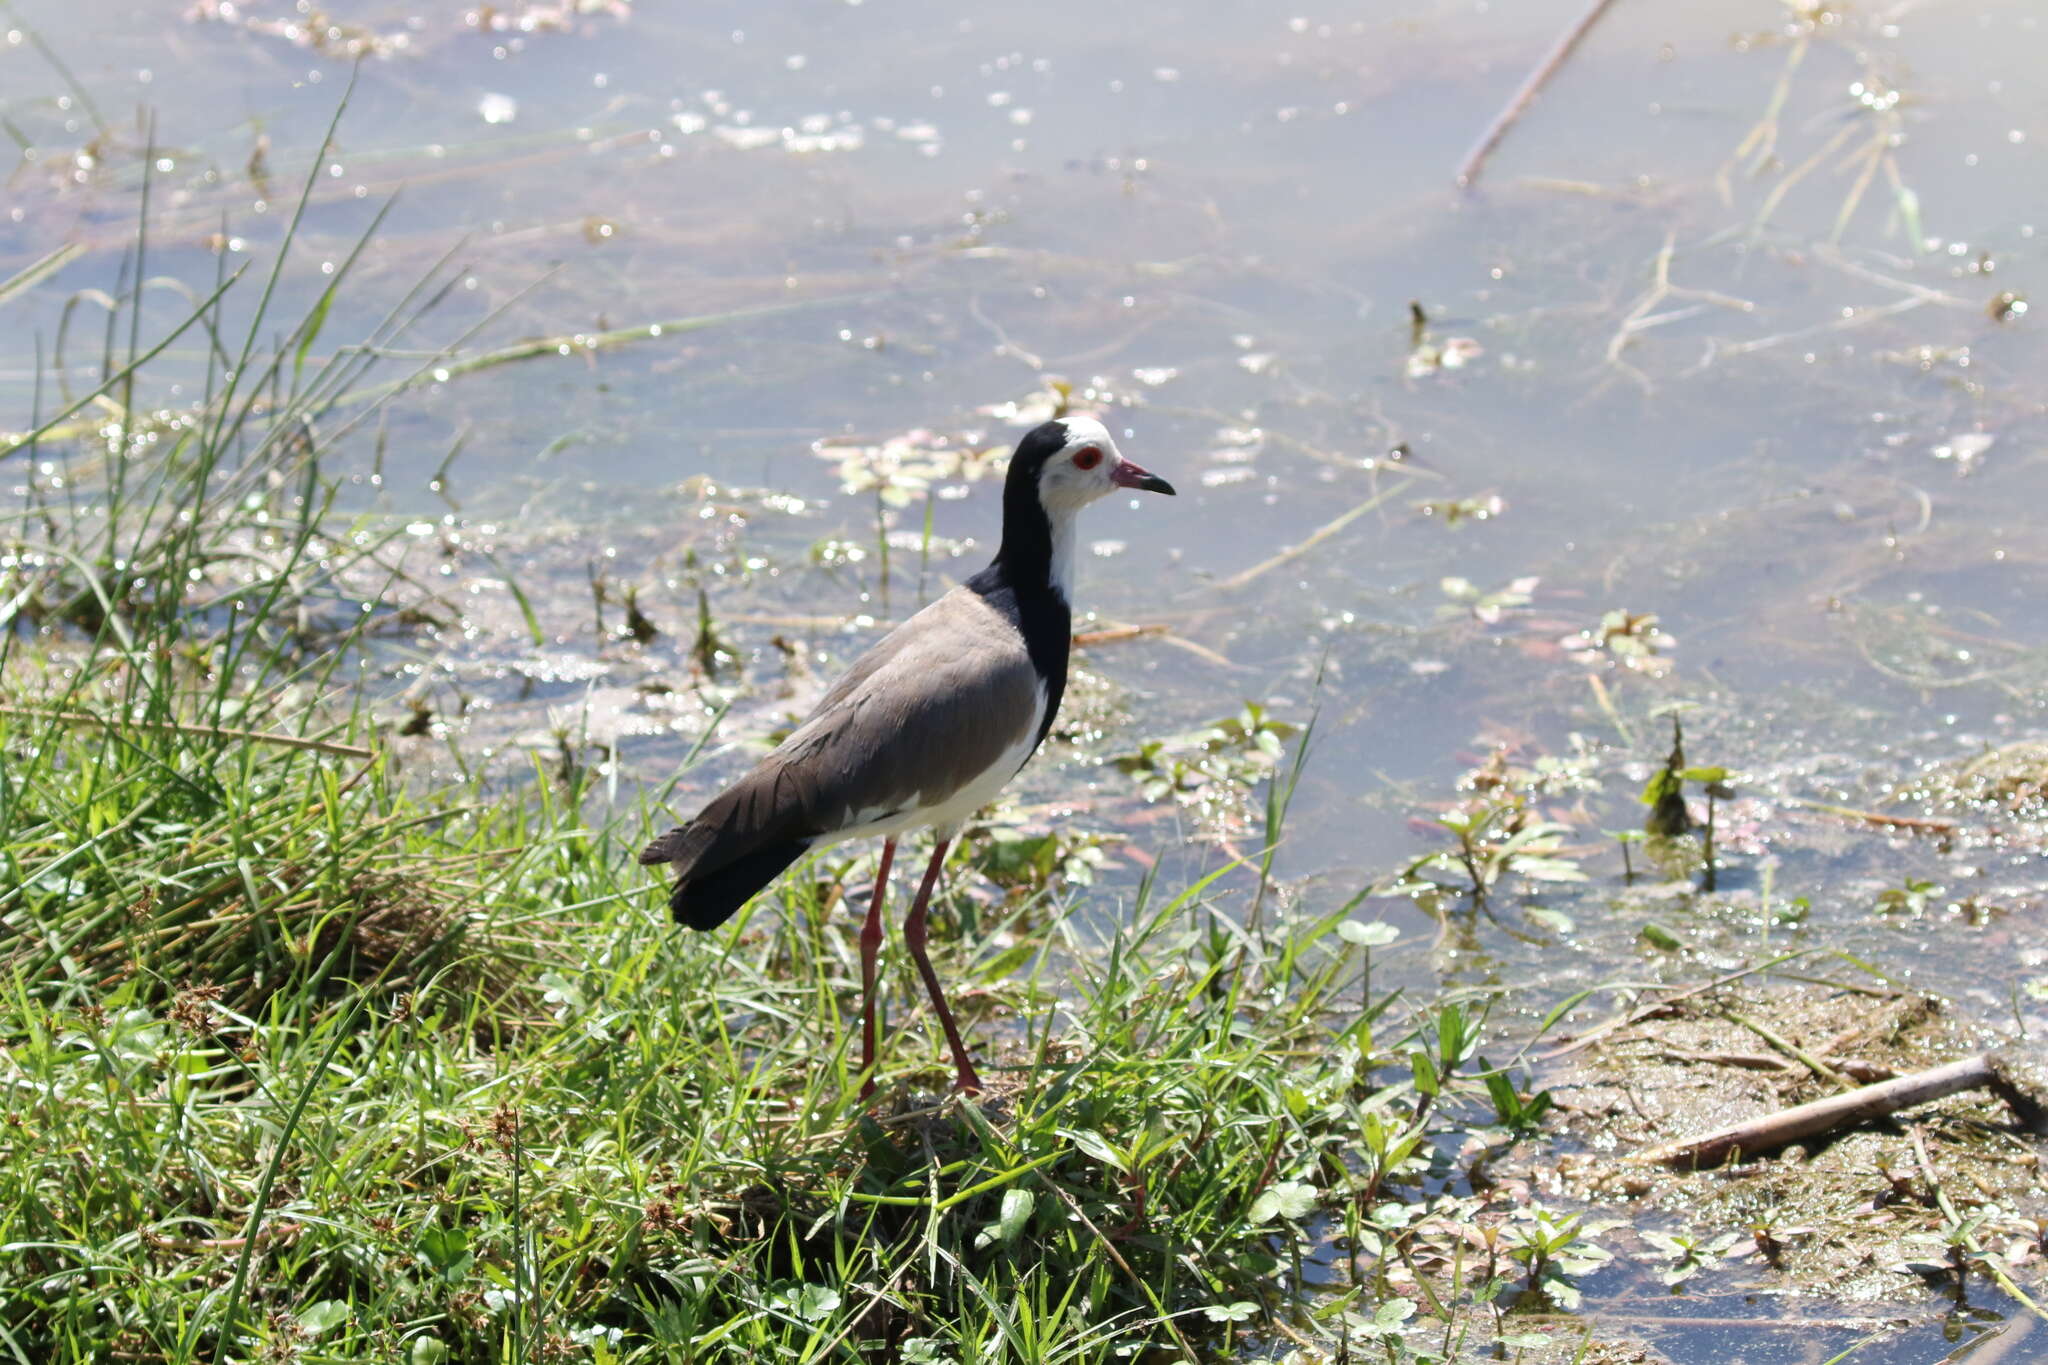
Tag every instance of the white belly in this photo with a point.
(950, 813)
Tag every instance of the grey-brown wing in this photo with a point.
(931, 708)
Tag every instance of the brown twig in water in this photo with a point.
(1918, 824)
(1761, 145)
(1524, 97)
(1761, 1061)
(1111, 635)
(1772, 1131)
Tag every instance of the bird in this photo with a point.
(924, 729)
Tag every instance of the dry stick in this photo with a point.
(318, 746)
(1743, 1061)
(189, 1245)
(1526, 96)
(1704, 1320)
(1316, 537)
(1772, 1131)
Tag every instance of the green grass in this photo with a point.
(304, 1060)
(449, 1078)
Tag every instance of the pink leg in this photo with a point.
(913, 936)
(870, 948)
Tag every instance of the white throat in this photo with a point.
(1061, 570)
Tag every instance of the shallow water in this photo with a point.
(1812, 451)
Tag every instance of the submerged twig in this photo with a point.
(589, 343)
(1524, 97)
(1664, 1002)
(1761, 144)
(1918, 824)
(1315, 538)
(1112, 635)
(1642, 316)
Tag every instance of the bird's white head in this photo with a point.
(1060, 467)
(1080, 463)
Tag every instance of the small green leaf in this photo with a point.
(316, 1319)
(311, 329)
(1706, 774)
(1425, 1073)
(1506, 1103)
(427, 1351)
(1661, 937)
(1010, 1220)
(1005, 963)
(1241, 1311)
(447, 1250)
(526, 611)
(1549, 869)
(1289, 1199)
(1367, 933)
(1097, 1146)
(809, 1302)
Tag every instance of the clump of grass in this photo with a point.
(655, 1153)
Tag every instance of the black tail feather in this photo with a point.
(664, 849)
(707, 900)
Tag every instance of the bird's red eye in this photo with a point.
(1087, 457)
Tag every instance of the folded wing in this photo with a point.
(926, 714)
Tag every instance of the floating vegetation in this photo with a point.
(900, 469)
(1634, 640)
